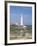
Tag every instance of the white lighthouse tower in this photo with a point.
(21, 19)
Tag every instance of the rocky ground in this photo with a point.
(20, 33)
(26, 36)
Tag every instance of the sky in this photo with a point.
(17, 11)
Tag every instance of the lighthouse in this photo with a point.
(21, 19)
